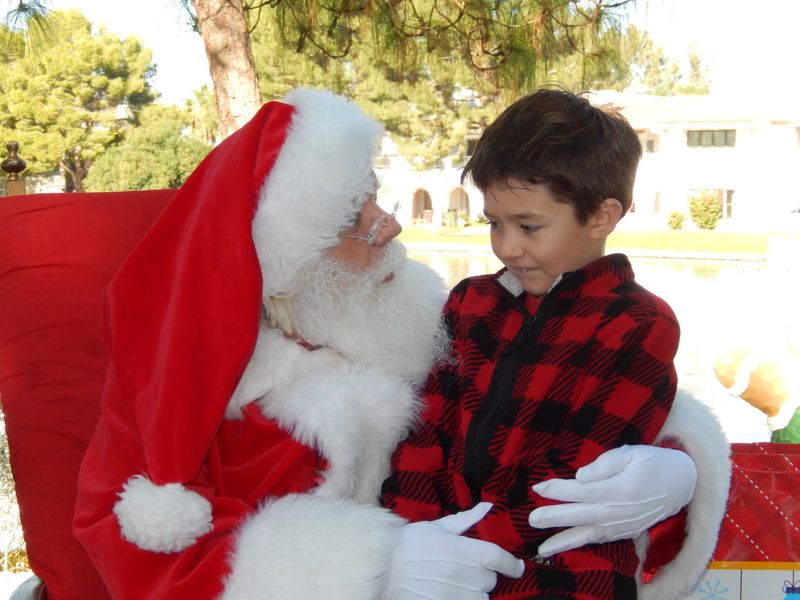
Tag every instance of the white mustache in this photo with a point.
(393, 324)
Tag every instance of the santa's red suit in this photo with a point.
(205, 480)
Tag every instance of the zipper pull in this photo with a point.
(527, 329)
(521, 337)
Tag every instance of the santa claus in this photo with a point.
(268, 342)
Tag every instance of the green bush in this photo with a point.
(675, 220)
(450, 219)
(706, 209)
(157, 154)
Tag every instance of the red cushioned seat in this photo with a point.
(58, 253)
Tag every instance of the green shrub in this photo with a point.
(157, 154)
(675, 220)
(450, 219)
(705, 208)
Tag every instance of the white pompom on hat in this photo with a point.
(292, 178)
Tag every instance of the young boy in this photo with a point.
(560, 356)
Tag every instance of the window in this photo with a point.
(711, 138)
(728, 204)
(649, 141)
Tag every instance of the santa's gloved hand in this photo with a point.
(624, 492)
(433, 561)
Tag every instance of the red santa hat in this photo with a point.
(319, 182)
(182, 312)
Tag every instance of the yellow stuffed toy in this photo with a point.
(768, 378)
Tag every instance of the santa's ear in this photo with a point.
(603, 221)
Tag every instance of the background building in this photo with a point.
(744, 151)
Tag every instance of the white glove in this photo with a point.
(624, 492)
(434, 562)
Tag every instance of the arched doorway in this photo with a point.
(422, 207)
(459, 200)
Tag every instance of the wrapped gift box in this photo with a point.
(758, 552)
(762, 522)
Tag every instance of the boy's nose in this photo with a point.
(506, 247)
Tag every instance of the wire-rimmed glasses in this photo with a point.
(379, 224)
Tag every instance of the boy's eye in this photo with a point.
(493, 224)
(531, 228)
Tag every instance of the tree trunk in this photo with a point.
(230, 61)
(75, 169)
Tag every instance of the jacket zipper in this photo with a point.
(477, 467)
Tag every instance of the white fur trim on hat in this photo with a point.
(320, 179)
(161, 518)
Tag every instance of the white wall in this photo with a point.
(762, 168)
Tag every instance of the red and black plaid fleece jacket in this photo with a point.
(539, 387)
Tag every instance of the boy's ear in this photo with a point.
(603, 221)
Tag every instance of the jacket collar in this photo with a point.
(614, 266)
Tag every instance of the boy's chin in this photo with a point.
(535, 283)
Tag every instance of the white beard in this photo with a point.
(394, 325)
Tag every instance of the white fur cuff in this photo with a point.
(305, 546)
(696, 429)
(161, 518)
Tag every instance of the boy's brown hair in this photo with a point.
(582, 152)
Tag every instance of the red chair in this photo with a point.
(58, 253)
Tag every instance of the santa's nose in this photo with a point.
(388, 230)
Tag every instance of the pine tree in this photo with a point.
(68, 102)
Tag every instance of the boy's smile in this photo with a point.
(537, 237)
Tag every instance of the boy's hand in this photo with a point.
(624, 492)
(433, 561)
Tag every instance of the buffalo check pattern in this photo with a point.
(537, 388)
